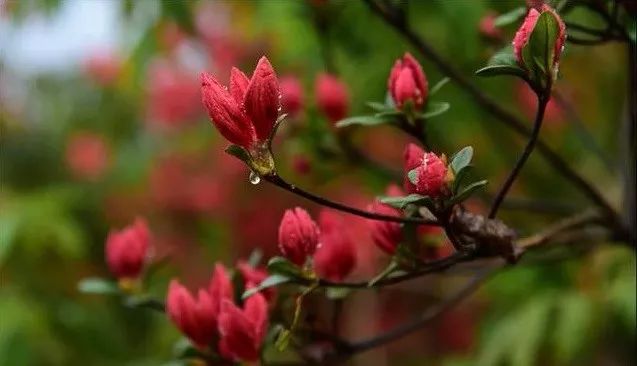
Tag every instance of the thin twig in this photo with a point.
(581, 129)
(280, 182)
(542, 102)
(425, 319)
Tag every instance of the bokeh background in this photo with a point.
(101, 121)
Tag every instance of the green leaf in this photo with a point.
(461, 159)
(434, 109)
(239, 153)
(98, 286)
(459, 178)
(361, 120)
(270, 281)
(282, 266)
(503, 63)
(378, 107)
(255, 257)
(573, 327)
(436, 88)
(401, 202)
(468, 191)
(539, 51)
(412, 175)
(510, 17)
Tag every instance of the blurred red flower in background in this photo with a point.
(87, 155)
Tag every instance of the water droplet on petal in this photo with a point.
(254, 177)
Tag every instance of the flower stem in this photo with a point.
(280, 182)
(539, 117)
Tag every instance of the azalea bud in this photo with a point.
(196, 318)
(385, 234)
(127, 250)
(291, 95)
(412, 158)
(523, 34)
(261, 100)
(298, 235)
(246, 113)
(431, 175)
(407, 82)
(331, 97)
(242, 330)
(226, 114)
(220, 286)
(335, 257)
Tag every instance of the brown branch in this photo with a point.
(280, 182)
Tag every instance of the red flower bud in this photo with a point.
(226, 113)
(412, 158)
(242, 330)
(127, 250)
(298, 235)
(335, 256)
(407, 81)
(523, 34)
(431, 175)
(220, 286)
(245, 114)
(291, 95)
(331, 97)
(195, 318)
(261, 101)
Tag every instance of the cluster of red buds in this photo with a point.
(246, 113)
(212, 319)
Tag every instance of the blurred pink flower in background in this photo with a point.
(291, 95)
(103, 67)
(527, 100)
(127, 250)
(87, 155)
(332, 97)
(173, 96)
(488, 28)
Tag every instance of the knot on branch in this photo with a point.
(486, 237)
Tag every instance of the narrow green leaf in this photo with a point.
(239, 153)
(282, 266)
(412, 175)
(461, 159)
(270, 281)
(510, 17)
(468, 191)
(502, 63)
(401, 202)
(436, 88)
(460, 177)
(434, 109)
(98, 286)
(360, 120)
(378, 107)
